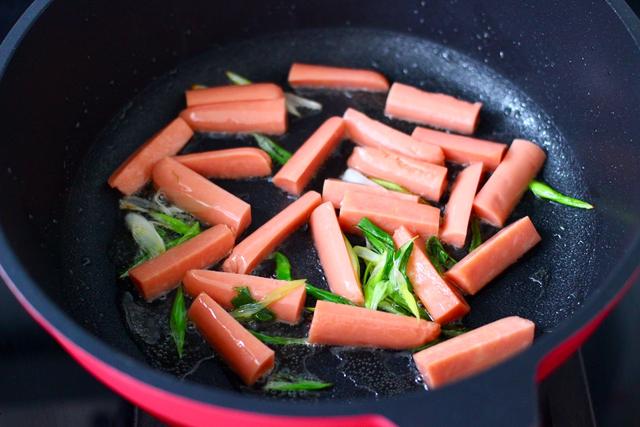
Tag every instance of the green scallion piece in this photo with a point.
(544, 191)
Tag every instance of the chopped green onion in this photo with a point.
(277, 153)
(192, 232)
(476, 237)
(544, 191)
(144, 234)
(399, 279)
(355, 177)
(427, 345)
(453, 332)
(243, 297)
(390, 185)
(366, 254)
(237, 79)
(178, 320)
(247, 311)
(300, 385)
(438, 256)
(375, 293)
(379, 239)
(321, 294)
(352, 256)
(294, 102)
(283, 266)
(170, 222)
(270, 339)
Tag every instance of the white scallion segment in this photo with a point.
(145, 234)
(237, 79)
(294, 102)
(355, 177)
(163, 206)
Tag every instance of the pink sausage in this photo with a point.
(161, 274)
(441, 300)
(388, 213)
(200, 197)
(135, 172)
(256, 246)
(492, 257)
(332, 251)
(504, 189)
(473, 352)
(425, 179)
(221, 286)
(340, 324)
(232, 163)
(245, 354)
(372, 133)
(321, 76)
(334, 190)
(307, 159)
(458, 209)
(230, 93)
(463, 149)
(434, 109)
(265, 116)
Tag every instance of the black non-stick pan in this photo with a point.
(84, 85)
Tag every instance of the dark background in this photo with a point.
(40, 385)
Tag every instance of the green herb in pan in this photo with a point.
(390, 185)
(321, 294)
(379, 240)
(275, 340)
(174, 224)
(294, 102)
(299, 385)
(438, 256)
(476, 237)
(178, 320)
(544, 191)
(277, 153)
(248, 311)
(243, 297)
(353, 257)
(450, 332)
(237, 79)
(192, 231)
(283, 266)
(399, 280)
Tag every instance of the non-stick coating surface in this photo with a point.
(546, 286)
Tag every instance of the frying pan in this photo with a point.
(83, 84)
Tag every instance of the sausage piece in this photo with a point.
(388, 213)
(371, 133)
(161, 274)
(245, 354)
(441, 300)
(463, 149)
(232, 163)
(333, 254)
(200, 197)
(221, 286)
(503, 190)
(307, 159)
(231, 93)
(434, 109)
(333, 190)
(255, 247)
(135, 172)
(425, 179)
(458, 209)
(492, 257)
(475, 351)
(339, 324)
(265, 116)
(325, 77)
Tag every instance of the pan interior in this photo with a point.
(546, 286)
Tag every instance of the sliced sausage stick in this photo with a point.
(339, 324)
(458, 209)
(325, 77)
(492, 257)
(441, 300)
(266, 116)
(425, 179)
(473, 352)
(232, 163)
(200, 197)
(504, 189)
(221, 286)
(256, 246)
(333, 190)
(230, 93)
(463, 149)
(161, 274)
(332, 251)
(135, 172)
(434, 109)
(307, 159)
(388, 213)
(245, 354)
(371, 133)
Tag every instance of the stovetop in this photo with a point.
(40, 385)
